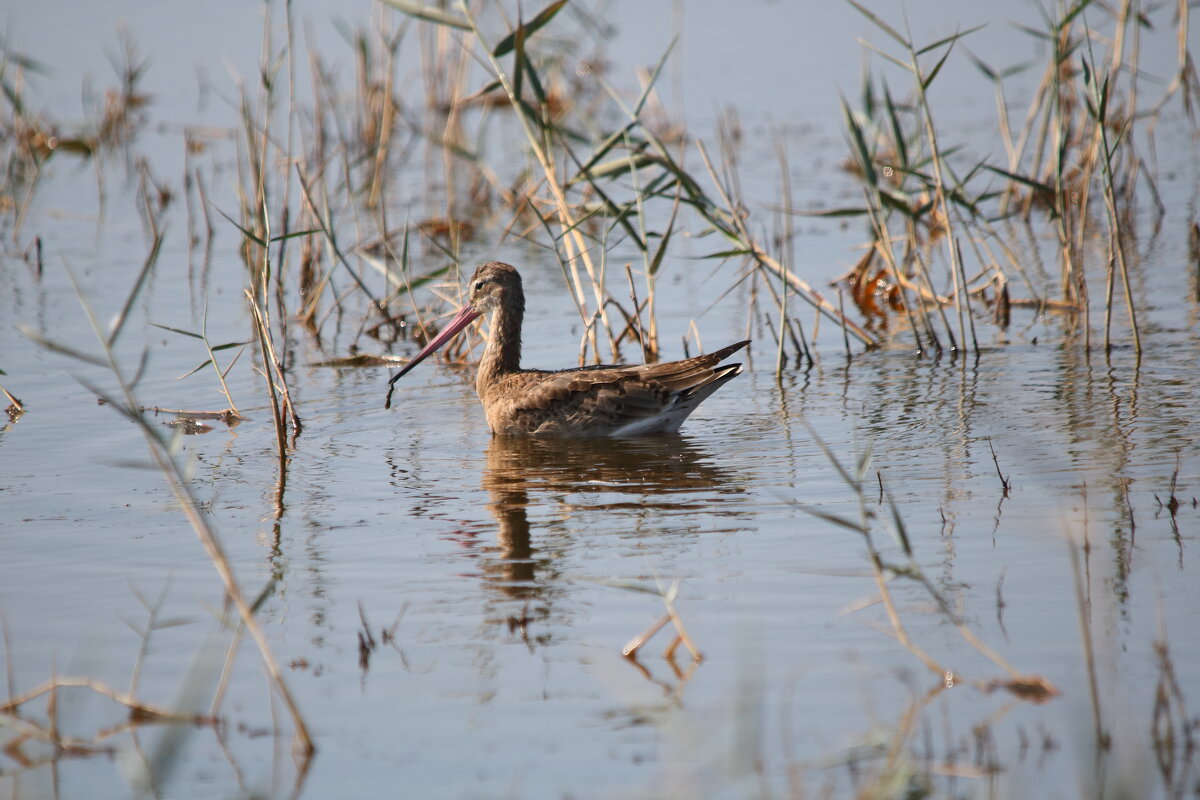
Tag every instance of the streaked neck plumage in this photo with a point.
(502, 355)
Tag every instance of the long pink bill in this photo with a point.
(465, 316)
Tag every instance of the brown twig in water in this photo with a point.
(672, 615)
(1083, 606)
(636, 642)
(164, 458)
(139, 709)
(1005, 483)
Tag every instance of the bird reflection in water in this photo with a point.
(614, 477)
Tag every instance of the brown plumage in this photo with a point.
(589, 401)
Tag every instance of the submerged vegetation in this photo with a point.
(358, 210)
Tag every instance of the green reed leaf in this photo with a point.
(508, 43)
(430, 14)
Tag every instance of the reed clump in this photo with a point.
(605, 173)
(1074, 166)
(166, 457)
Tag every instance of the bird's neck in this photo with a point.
(502, 355)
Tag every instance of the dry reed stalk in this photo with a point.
(230, 415)
(885, 247)
(766, 261)
(965, 300)
(636, 643)
(921, 81)
(926, 287)
(1098, 107)
(16, 407)
(1083, 606)
(1027, 687)
(788, 256)
(635, 320)
(216, 554)
(649, 341)
(144, 711)
(164, 459)
(152, 610)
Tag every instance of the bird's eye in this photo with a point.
(478, 285)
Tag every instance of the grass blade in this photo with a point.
(949, 39)
(937, 68)
(58, 347)
(131, 298)
(430, 14)
(879, 23)
(860, 146)
(509, 43)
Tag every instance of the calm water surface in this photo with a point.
(450, 608)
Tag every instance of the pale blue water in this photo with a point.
(493, 565)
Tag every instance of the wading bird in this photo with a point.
(588, 401)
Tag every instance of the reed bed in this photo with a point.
(335, 250)
(601, 172)
(1081, 145)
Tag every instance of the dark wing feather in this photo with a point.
(603, 399)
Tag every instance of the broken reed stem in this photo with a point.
(15, 403)
(122, 698)
(683, 635)
(785, 217)
(1005, 484)
(842, 313)
(638, 641)
(672, 616)
(783, 320)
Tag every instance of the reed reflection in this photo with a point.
(641, 477)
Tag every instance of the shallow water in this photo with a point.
(450, 608)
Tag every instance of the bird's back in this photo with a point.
(605, 400)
